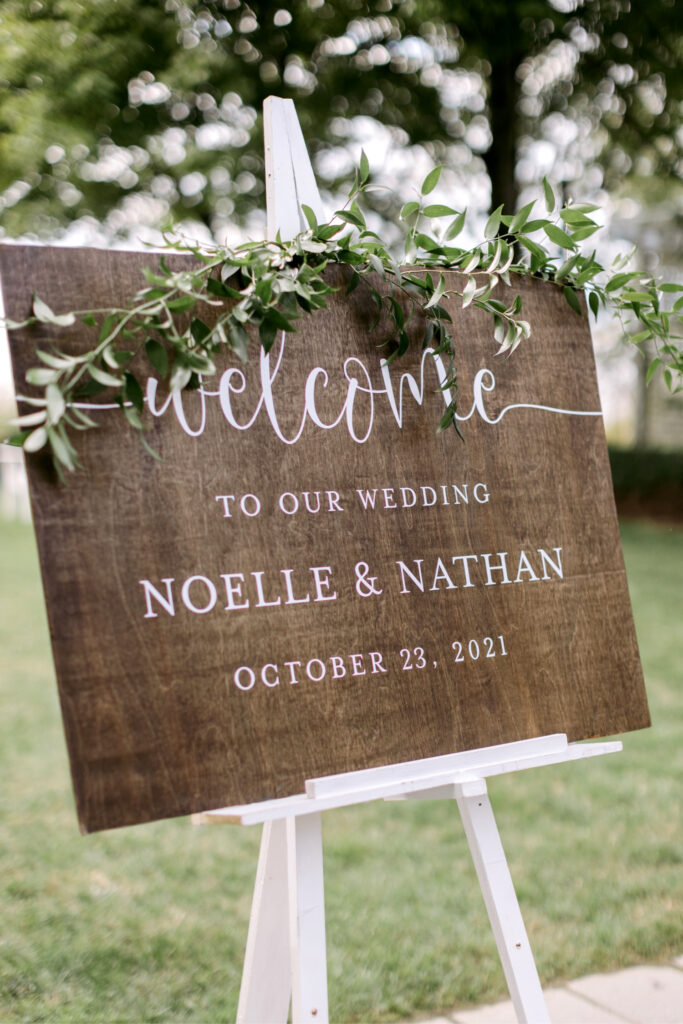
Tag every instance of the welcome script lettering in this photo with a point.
(358, 409)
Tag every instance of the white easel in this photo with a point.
(286, 955)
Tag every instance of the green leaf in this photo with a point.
(157, 355)
(580, 233)
(82, 417)
(559, 237)
(17, 440)
(438, 293)
(447, 419)
(572, 298)
(397, 312)
(534, 248)
(456, 226)
(521, 217)
(220, 289)
(239, 340)
(498, 329)
(107, 326)
(549, 196)
(376, 264)
(153, 278)
(495, 258)
(350, 256)
(132, 416)
(42, 312)
(425, 242)
(199, 330)
(181, 304)
(468, 292)
(200, 362)
(572, 216)
(39, 376)
(403, 343)
(90, 388)
(59, 448)
(669, 287)
(89, 320)
(15, 325)
(493, 223)
(56, 406)
(150, 451)
(267, 332)
(327, 231)
(641, 336)
(310, 216)
(621, 279)
(109, 357)
(587, 274)
(180, 376)
(31, 419)
(566, 267)
(36, 440)
(133, 392)
(276, 317)
(428, 335)
(364, 167)
(652, 369)
(594, 303)
(263, 288)
(408, 209)
(353, 282)
(102, 377)
(311, 245)
(535, 225)
(438, 210)
(432, 180)
(350, 218)
(356, 211)
(470, 261)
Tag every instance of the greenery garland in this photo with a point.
(270, 284)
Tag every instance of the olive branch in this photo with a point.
(268, 285)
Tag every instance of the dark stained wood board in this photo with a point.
(156, 725)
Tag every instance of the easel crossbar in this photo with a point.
(403, 780)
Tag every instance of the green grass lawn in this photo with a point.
(149, 923)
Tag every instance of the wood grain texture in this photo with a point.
(155, 724)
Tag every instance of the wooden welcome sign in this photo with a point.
(313, 580)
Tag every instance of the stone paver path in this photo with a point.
(636, 995)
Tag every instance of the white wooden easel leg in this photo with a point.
(266, 982)
(501, 903)
(307, 919)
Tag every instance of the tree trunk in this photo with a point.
(501, 157)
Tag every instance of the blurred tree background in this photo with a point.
(106, 104)
(121, 116)
(118, 117)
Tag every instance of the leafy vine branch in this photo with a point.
(268, 285)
